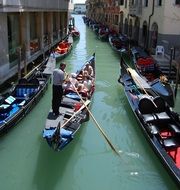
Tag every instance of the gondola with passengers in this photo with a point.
(78, 91)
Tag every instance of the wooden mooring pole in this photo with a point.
(177, 78)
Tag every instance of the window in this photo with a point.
(125, 3)
(177, 2)
(159, 3)
(146, 3)
(121, 2)
(116, 19)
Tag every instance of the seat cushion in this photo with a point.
(149, 117)
(163, 116)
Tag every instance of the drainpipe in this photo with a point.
(149, 22)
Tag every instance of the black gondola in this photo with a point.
(161, 125)
(119, 43)
(147, 66)
(24, 96)
(59, 130)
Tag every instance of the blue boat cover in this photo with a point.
(73, 96)
(66, 133)
(48, 133)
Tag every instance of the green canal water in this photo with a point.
(88, 163)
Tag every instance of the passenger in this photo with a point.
(87, 81)
(73, 79)
(89, 69)
(82, 90)
(72, 83)
(80, 75)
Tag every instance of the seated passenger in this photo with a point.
(89, 69)
(71, 83)
(87, 81)
(80, 75)
(82, 90)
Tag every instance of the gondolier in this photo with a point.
(58, 79)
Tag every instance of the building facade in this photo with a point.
(79, 8)
(28, 29)
(147, 22)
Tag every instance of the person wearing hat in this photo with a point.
(57, 90)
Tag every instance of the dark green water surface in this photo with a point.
(88, 163)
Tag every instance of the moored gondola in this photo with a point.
(26, 93)
(147, 66)
(75, 33)
(119, 43)
(60, 130)
(160, 125)
(64, 47)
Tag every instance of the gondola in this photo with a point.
(72, 29)
(75, 33)
(60, 130)
(119, 43)
(160, 125)
(146, 66)
(103, 33)
(64, 47)
(25, 94)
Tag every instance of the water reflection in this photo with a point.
(51, 167)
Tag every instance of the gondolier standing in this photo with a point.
(58, 79)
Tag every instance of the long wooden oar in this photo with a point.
(97, 125)
(133, 73)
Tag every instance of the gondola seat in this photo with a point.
(175, 129)
(162, 117)
(170, 143)
(24, 92)
(153, 130)
(23, 81)
(34, 81)
(160, 104)
(149, 118)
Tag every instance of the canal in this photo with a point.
(27, 162)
